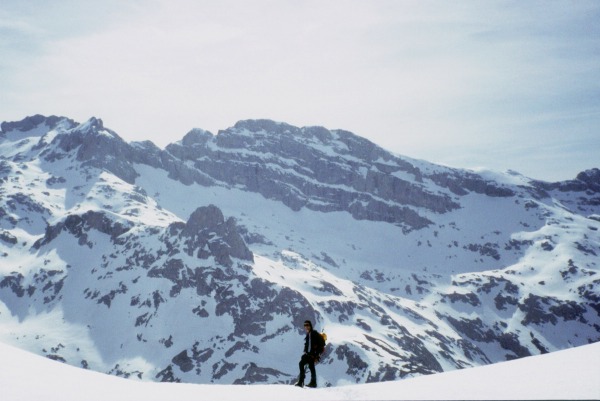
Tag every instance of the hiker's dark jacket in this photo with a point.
(316, 343)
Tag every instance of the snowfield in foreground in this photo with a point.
(569, 374)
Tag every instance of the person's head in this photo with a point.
(307, 325)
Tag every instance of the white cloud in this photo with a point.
(425, 79)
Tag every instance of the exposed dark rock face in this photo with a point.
(313, 168)
(462, 183)
(473, 329)
(539, 310)
(15, 283)
(208, 233)
(255, 374)
(97, 147)
(33, 122)
(79, 225)
(469, 298)
(356, 364)
(184, 362)
(588, 180)
(8, 238)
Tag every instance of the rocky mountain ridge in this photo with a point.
(199, 262)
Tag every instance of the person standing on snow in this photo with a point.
(313, 348)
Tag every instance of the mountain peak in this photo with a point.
(590, 177)
(32, 122)
(207, 228)
(196, 136)
(93, 124)
(263, 125)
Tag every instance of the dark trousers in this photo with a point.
(309, 360)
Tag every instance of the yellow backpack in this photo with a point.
(324, 338)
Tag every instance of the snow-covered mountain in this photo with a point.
(199, 262)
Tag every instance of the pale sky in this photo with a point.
(495, 84)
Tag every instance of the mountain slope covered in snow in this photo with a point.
(199, 262)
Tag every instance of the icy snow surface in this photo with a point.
(569, 374)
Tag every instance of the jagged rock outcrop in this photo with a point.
(314, 168)
(97, 147)
(79, 225)
(209, 234)
(33, 122)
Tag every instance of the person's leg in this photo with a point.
(301, 366)
(313, 373)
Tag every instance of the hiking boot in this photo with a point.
(312, 384)
(299, 384)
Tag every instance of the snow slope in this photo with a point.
(567, 374)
